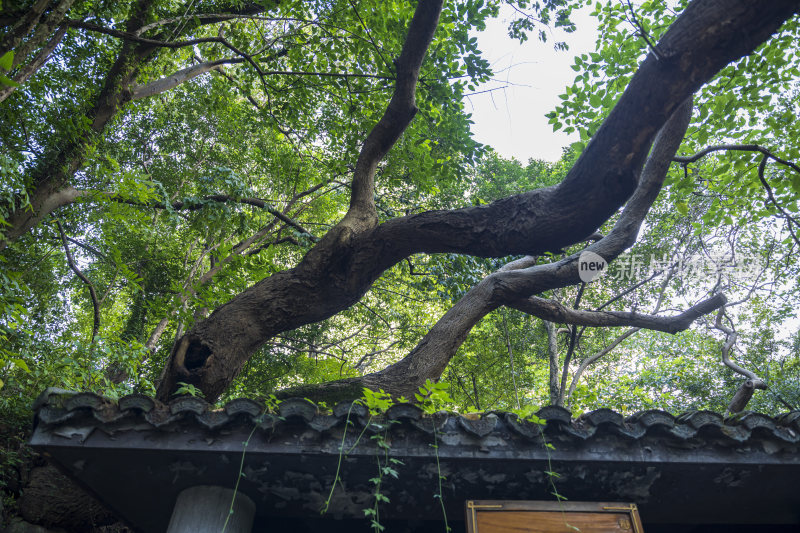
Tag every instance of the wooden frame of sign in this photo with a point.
(506, 516)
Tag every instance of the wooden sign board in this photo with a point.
(504, 516)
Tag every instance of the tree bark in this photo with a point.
(338, 271)
(744, 394)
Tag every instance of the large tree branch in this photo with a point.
(431, 356)
(399, 113)
(342, 267)
(697, 45)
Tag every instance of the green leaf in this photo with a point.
(7, 61)
(5, 80)
(682, 208)
(796, 184)
(578, 147)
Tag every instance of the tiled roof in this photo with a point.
(714, 469)
(56, 408)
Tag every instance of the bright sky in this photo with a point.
(529, 77)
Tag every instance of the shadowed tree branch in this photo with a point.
(518, 280)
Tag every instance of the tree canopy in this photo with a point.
(230, 199)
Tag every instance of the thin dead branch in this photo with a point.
(84, 279)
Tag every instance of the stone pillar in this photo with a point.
(204, 509)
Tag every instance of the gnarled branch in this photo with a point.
(753, 382)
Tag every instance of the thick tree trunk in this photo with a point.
(344, 264)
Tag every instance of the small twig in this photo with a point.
(369, 35)
(110, 286)
(90, 249)
(368, 308)
(642, 33)
(371, 355)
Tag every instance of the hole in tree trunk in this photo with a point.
(196, 355)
